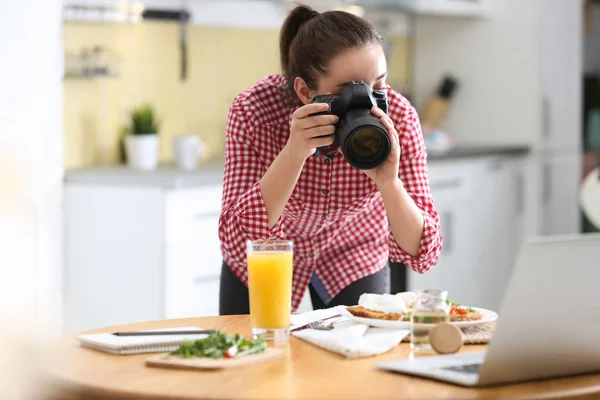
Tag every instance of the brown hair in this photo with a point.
(309, 40)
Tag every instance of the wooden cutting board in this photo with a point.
(171, 361)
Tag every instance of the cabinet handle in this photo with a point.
(202, 279)
(545, 117)
(547, 193)
(451, 183)
(547, 182)
(520, 208)
(446, 227)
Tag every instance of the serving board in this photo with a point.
(201, 363)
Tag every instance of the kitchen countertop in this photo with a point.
(170, 177)
(480, 151)
(164, 176)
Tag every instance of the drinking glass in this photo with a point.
(430, 309)
(270, 287)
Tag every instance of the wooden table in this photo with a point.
(306, 372)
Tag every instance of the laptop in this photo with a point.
(549, 323)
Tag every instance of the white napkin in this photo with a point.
(348, 338)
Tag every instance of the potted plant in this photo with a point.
(141, 138)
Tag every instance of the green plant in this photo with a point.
(142, 121)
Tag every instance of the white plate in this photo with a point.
(488, 316)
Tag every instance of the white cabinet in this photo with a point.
(479, 206)
(560, 195)
(191, 280)
(519, 72)
(520, 84)
(497, 225)
(524, 220)
(192, 256)
(452, 188)
(561, 46)
(140, 252)
(458, 8)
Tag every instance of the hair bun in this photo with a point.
(306, 52)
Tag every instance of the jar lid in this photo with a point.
(446, 338)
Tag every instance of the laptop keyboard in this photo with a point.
(467, 369)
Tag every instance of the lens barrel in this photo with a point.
(364, 140)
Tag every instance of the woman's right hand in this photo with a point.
(309, 132)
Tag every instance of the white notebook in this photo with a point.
(123, 345)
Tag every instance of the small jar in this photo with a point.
(429, 310)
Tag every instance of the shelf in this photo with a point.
(89, 76)
(450, 8)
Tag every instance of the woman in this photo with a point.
(274, 185)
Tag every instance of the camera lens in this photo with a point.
(367, 146)
(365, 143)
(364, 140)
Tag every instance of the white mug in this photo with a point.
(187, 149)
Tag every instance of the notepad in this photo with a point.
(124, 345)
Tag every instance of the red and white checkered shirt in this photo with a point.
(335, 216)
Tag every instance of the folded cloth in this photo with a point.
(347, 338)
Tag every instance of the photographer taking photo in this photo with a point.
(312, 157)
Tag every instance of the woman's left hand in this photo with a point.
(387, 172)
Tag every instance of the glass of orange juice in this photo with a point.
(270, 287)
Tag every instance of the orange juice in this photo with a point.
(270, 287)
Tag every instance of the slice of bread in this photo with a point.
(359, 311)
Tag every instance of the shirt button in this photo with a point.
(327, 161)
(325, 192)
(311, 254)
(323, 217)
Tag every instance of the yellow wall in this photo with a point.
(221, 63)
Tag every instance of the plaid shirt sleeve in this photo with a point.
(243, 212)
(414, 176)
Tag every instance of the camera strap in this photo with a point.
(329, 152)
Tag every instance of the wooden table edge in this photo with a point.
(71, 389)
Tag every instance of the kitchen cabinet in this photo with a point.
(560, 190)
(520, 174)
(480, 207)
(140, 247)
(560, 74)
(461, 8)
(561, 145)
(519, 73)
(534, 99)
(192, 256)
(452, 187)
(497, 222)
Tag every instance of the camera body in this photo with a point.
(364, 141)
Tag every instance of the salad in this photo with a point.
(221, 345)
(455, 308)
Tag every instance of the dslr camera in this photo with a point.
(363, 139)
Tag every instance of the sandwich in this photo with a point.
(393, 307)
